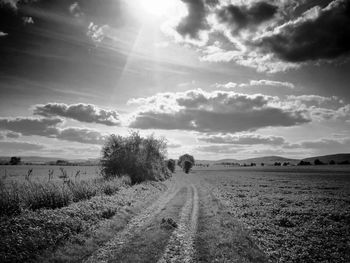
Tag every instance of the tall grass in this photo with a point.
(28, 195)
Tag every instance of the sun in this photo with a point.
(159, 8)
(155, 7)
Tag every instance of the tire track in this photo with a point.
(180, 247)
(135, 226)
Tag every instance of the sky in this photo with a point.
(216, 78)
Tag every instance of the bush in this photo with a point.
(141, 158)
(186, 162)
(171, 165)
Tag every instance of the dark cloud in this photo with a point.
(243, 17)
(48, 128)
(323, 35)
(31, 126)
(81, 112)
(20, 146)
(245, 139)
(195, 20)
(13, 135)
(219, 111)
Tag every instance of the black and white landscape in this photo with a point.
(174, 131)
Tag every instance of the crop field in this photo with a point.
(42, 173)
(296, 214)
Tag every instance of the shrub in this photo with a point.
(140, 158)
(186, 162)
(171, 165)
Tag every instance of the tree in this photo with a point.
(141, 158)
(15, 160)
(186, 162)
(303, 163)
(318, 162)
(171, 165)
(187, 166)
(332, 162)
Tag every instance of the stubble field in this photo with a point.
(294, 214)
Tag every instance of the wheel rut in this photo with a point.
(144, 239)
(180, 247)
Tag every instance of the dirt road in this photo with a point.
(186, 224)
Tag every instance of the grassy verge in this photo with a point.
(28, 234)
(18, 197)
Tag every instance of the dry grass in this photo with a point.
(18, 196)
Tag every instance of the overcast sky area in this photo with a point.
(217, 78)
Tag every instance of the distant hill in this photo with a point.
(269, 160)
(265, 159)
(338, 158)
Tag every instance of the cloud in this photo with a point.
(13, 135)
(27, 20)
(49, 128)
(75, 10)
(31, 126)
(81, 135)
(272, 83)
(218, 149)
(246, 17)
(81, 112)
(323, 144)
(318, 34)
(262, 82)
(11, 3)
(195, 20)
(217, 111)
(243, 139)
(20, 146)
(273, 36)
(98, 33)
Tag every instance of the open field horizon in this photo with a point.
(172, 131)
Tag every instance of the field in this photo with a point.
(294, 214)
(218, 214)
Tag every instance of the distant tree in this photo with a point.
(171, 165)
(187, 166)
(186, 162)
(285, 163)
(262, 164)
(15, 160)
(277, 164)
(303, 163)
(344, 162)
(318, 162)
(62, 162)
(332, 162)
(253, 164)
